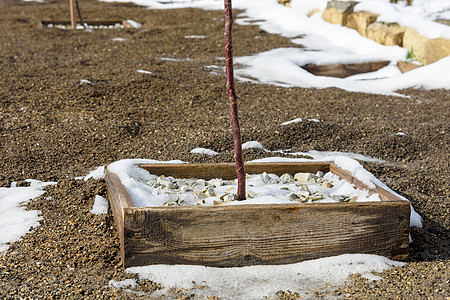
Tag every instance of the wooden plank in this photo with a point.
(119, 199)
(123, 197)
(344, 174)
(231, 236)
(91, 22)
(228, 170)
(345, 70)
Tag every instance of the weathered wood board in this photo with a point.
(124, 23)
(345, 70)
(241, 235)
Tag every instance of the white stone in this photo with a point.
(319, 174)
(315, 197)
(326, 184)
(304, 177)
(303, 193)
(209, 192)
(287, 178)
(216, 182)
(251, 194)
(267, 179)
(185, 189)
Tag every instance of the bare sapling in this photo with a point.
(233, 101)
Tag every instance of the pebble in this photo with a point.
(287, 178)
(304, 177)
(251, 194)
(209, 192)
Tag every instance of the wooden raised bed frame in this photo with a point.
(241, 235)
(124, 23)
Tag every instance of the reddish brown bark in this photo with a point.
(233, 101)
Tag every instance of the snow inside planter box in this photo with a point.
(253, 233)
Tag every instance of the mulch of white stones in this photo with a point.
(260, 189)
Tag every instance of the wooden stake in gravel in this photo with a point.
(233, 101)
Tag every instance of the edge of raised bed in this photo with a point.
(241, 235)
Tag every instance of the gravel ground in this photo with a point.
(53, 128)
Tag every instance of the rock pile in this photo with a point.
(425, 49)
(302, 187)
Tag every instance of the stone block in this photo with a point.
(386, 34)
(360, 21)
(337, 12)
(436, 49)
(412, 40)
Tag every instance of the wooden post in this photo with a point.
(73, 22)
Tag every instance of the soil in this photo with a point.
(54, 128)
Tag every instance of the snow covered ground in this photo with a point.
(257, 282)
(15, 220)
(330, 44)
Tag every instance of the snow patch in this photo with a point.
(144, 72)
(15, 220)
(123, 284)
(100, 206)
(98, 173)
(253, 145)
(134, 24)
(258, 282)
(297, 120)
(204, 151)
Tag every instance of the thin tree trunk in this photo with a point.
(233, 101)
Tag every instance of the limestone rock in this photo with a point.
(286, 178)
(251, 194)
(436, 49)
(412, 40)
(360, 21)
(386, 34)
(304, 177)
(337, 12)
(285, 2)
(209, 192)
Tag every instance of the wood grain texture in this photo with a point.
(345, 70)
(344, 174)
(73, 21)
(119, 199)
(228, 170)
(231, 236)
(241, 235)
